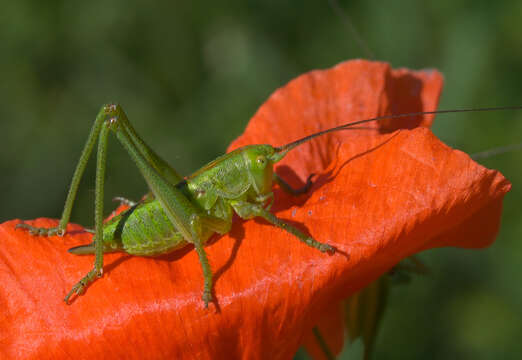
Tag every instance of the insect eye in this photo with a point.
(261, 160)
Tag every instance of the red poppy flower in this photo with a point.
(378, 196)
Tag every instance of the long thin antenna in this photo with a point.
(496, 151)
(285, 148)
(334, 4)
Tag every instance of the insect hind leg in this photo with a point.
(41, 231)
(104, 112)
(101, 163)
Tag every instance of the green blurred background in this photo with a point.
(185, 71)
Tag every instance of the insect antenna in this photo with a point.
(496, 151)
(334, 4)
(282, 150)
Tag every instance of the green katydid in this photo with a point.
(181, 211)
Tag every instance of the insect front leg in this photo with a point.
(247, 210)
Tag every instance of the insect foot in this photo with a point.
(77, 289)
(322, 247)
(207, 297)
(80, 286)
(40, 231)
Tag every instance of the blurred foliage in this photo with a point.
(191, 74)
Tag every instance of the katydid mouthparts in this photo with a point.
(185, 210)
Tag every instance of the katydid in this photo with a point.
(181, 211)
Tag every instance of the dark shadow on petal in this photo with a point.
(176, 254)
(238, 234)
(401, 101)
(107, 268)
(362, 154)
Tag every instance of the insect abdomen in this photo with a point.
(147, 231)
(143, 230)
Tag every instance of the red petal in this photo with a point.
(350, 91)
(381, 198)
